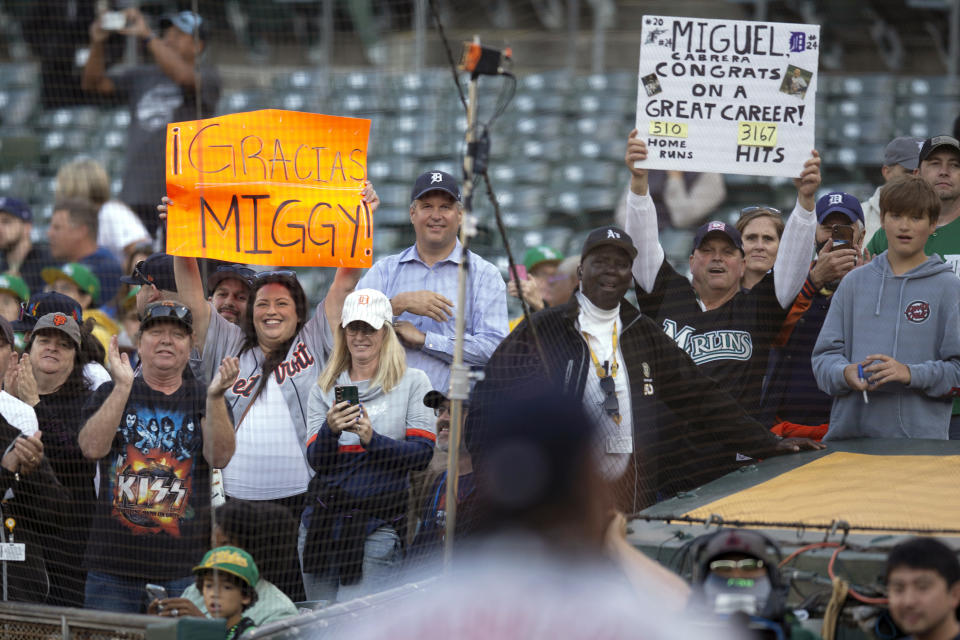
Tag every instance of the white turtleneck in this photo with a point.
(616, 439)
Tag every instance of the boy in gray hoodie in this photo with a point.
(889, 349)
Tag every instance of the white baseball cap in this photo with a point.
(368, 305)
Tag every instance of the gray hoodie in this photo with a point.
(915, 319)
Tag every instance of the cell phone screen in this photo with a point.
(347, 393)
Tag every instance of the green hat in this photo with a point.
(15, 285)
(232, 560)
(79, 274)
(535, 256)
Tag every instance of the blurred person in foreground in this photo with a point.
(538, 566)
(157, 93)
(19, 255)
(362, 454)
(923, 588)
(156, 435)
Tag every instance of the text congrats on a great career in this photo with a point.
(727, 96)
(270, 187)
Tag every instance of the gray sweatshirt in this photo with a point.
(915, 319)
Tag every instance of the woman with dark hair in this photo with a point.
(281, 354)
(50, 378)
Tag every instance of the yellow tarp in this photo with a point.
(912, 492)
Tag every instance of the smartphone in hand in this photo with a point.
(346, 393)
(156, 592)
(842, 236)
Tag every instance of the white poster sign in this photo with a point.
(727, 96)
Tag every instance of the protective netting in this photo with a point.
(83, 114)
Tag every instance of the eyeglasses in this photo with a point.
(610, 403)
(442, 409)
(729, 566)
(359, 326)
(757, 207)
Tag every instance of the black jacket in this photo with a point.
(685, 429)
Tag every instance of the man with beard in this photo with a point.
(18, 253)
(229, 290)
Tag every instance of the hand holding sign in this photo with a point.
(727, 96)
(271, 187)
(636, 154)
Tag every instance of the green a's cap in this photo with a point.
(15, 285)
(535, 256)
(80, 274)
(232, 560)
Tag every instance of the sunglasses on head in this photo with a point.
(170, 310)
(243, 272)
(260, 275)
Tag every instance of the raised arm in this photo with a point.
(96, 435)
(190, 292)
(641, 221)
(95, 77)
(219, 441)
(168, 59)
(796, 245)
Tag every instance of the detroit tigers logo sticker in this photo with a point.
(436, 177)
(917, 311)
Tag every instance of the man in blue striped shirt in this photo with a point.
(421, 283)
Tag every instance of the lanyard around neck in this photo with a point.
(601, 369)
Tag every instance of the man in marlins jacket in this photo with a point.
(600, 348)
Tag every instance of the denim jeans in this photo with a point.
(382, 556)
(109, 592)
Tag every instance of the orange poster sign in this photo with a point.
(270, 187)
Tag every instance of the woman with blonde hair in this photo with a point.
(367, 429)
(761, 229)
(119, 227)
